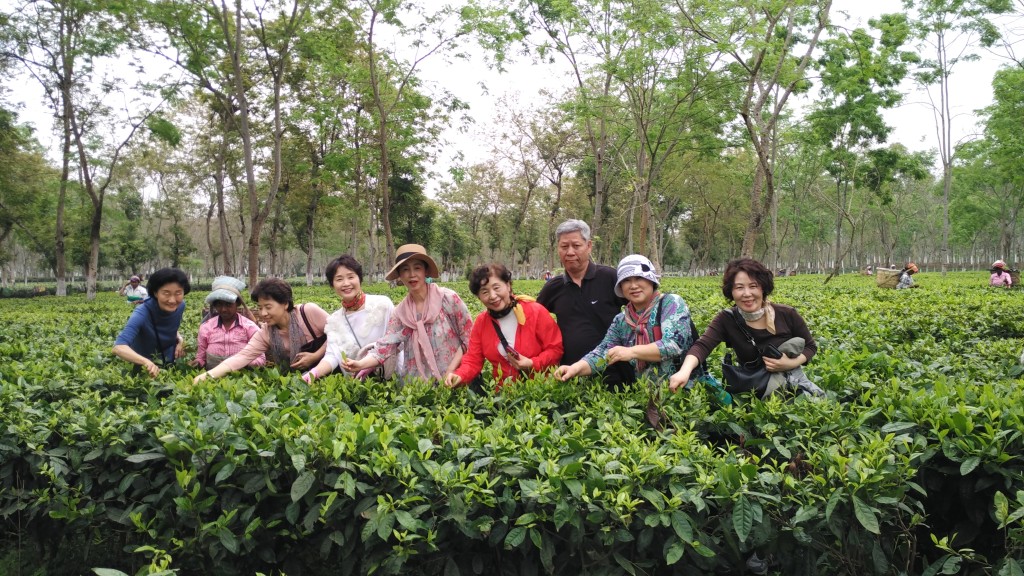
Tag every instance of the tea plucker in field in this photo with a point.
(781, 339)
(133, 291)
(905, 277)
(650, 335)
(430, 326)
(514, 333)
(226, 332)
(151, 334)
(583, 298)
(288, 329)
(352, 330)
(1000, 276)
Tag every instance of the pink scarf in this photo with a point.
(419, 341)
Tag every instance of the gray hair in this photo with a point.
(570, 226)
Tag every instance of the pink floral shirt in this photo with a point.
(449, 335)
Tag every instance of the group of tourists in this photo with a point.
(614, 323)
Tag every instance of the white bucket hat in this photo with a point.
(635, 265)
(225, 289)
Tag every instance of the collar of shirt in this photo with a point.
(588, 275)
(235, 324)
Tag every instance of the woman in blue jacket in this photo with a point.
(151, 334)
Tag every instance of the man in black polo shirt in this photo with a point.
(583, 298)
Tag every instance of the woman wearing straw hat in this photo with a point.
(1000, 275)
(226, 332)
(430, 326)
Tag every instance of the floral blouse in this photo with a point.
(676, 339)
(449, 335)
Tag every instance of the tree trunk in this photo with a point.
(60, 260)
(227, 245)
(756, 214)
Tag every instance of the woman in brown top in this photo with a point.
(781, 337)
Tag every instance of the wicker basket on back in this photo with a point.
(1014, 278)
(887, 278)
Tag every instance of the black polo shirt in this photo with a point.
(583, 312)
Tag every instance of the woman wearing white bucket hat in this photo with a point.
(226, 332)
(652, 333)
(430, 326)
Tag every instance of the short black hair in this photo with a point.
(276, 289)
(165, 276)
(757, 272)
(481, 273)
(346, 261)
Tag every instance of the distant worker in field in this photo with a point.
(868, 271)
(151, 334)
(583, 299)
(1000, 275)
(227, 331)
(134, 291)
(905, 277)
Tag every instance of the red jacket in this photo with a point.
(539, 339)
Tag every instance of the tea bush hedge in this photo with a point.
(912, 465)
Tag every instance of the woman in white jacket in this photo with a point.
(352, 330)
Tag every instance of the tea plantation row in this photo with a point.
(911, 466)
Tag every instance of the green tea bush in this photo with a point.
(911, 466)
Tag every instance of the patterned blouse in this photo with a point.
(676, 339)
(449, 334)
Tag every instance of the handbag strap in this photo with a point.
(742, 326)
(352, 330)
(302, 312)
(501, 335)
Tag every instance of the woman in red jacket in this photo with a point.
(515, 334)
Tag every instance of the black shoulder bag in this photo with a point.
(318, 341)
(747, 376)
